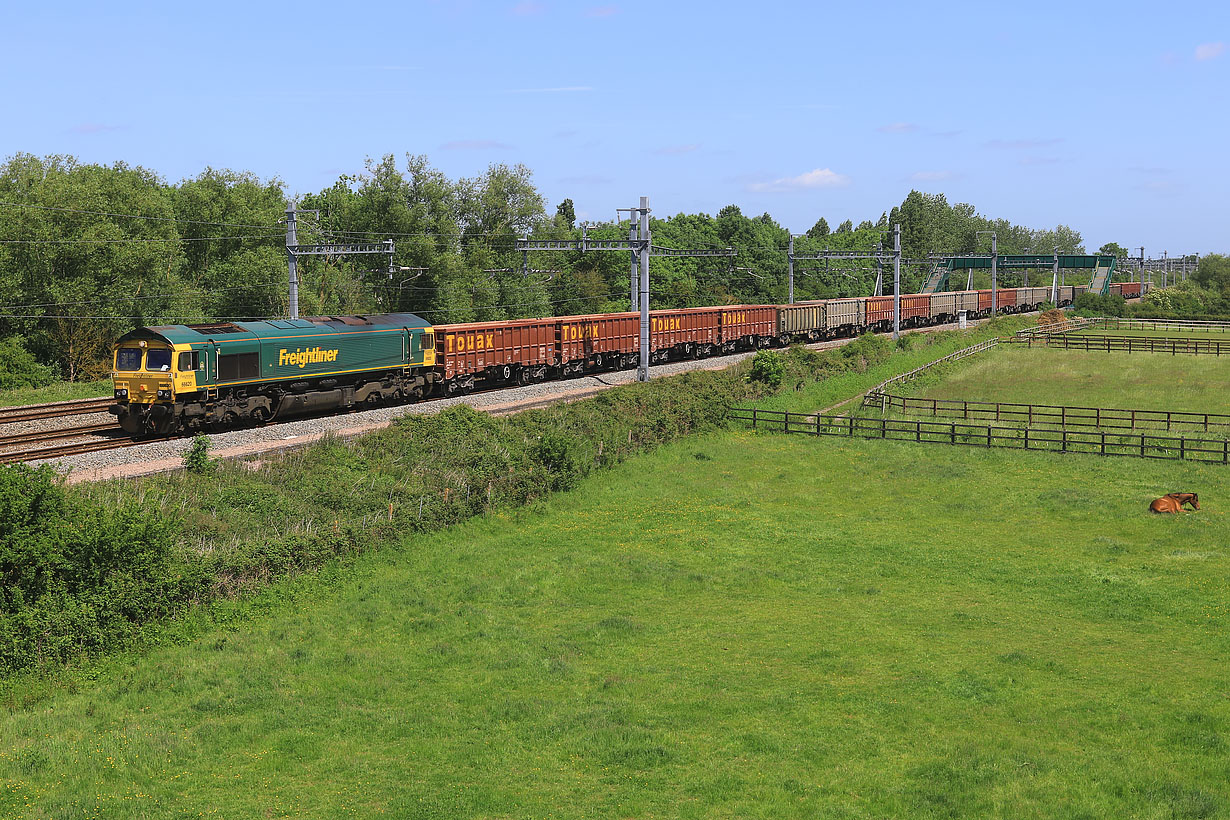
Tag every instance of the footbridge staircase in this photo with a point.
(1102, 274)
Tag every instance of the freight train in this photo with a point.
(184, 378)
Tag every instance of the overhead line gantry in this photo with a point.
(640, 244)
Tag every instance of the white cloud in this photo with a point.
(818, 178)
(1207, 51)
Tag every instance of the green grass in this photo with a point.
(1149, 381)
(60, 391)
(920, 349)
(736, 625)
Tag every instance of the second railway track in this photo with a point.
(61, 409)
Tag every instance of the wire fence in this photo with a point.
(1140, 445)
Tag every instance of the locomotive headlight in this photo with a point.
(164, 394)
(121, 393)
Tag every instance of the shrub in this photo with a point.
(1094, 304)
(19, 368)
(77, 577)
(197, 459)
(768, 368)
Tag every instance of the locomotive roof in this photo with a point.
(273, 328)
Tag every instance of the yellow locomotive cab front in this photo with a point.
(143, 372)
(144, 382)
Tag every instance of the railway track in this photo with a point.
(56, 435)
(60, 450)
(36, 445)
(60, 409)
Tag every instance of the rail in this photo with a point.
(31, 412)
(1109, 418)
(1130, 344)
(1140, 445)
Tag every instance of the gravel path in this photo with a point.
(166, 455)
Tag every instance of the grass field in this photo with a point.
(1160, 333)
(60, 391)
(735, 626)
(1148, 381)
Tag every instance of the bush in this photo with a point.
(768, 368)
(19, 368)
(197, 459)
(1094, 304)
(77, 577)
(866, 351)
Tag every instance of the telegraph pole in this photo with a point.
(790, 256)
(897, 281)
(291, 242)
(1142, 267)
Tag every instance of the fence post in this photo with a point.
(753, 418)
(1182, 447)
(1103, 444)
(952, 432)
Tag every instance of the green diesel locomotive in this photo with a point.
(212, 376)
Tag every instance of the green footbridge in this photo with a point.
(1103, 267)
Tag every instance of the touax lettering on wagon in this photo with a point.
(302, 358)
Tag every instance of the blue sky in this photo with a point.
(1111, 118)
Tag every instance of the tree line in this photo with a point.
(89, 251)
